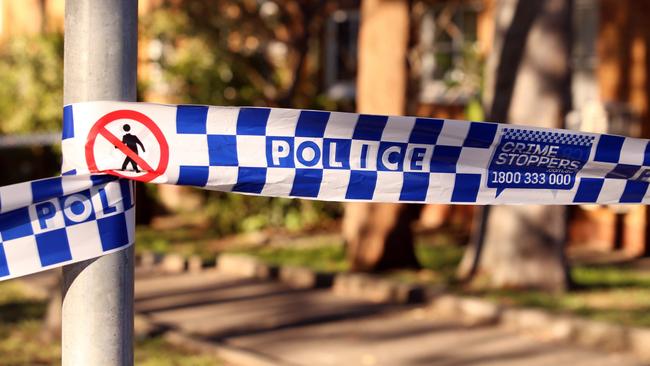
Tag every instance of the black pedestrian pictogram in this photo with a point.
(128, 145)
(132, 142)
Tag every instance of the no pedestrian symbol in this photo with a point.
(127, 139)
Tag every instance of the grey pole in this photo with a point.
(101, 41)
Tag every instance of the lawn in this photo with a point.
(22, 342)
(617, 294)
(184, 240)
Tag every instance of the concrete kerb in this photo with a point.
(301, 277)
(145, 328)
(170, 263)
(227, 353)
(365, 286)
(553, 327)
(377, 289)
(469, 310)
(245, 266)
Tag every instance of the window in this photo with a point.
(341, 34)
(448, 53)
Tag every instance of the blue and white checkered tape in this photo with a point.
(52, 222)
(356, 157)
(296, 153)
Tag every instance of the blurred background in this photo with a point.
(577, 64)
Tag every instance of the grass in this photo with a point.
(328, 256)
(616, 294)
(185, 241)
(324, 258)
(22, 341)
(157, 352)
(20, 328)
(21, 344)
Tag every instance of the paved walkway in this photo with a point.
(315, 327)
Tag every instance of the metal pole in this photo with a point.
(100, 63)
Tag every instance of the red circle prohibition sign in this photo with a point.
(100, 129)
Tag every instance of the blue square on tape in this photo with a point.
(250, 180)
(444, 158)
(369, 127)
(98, 180)
(623, 171)
(127, 188)
(252, 121)
(634, 191)
(588, 190)
(193, 175)
(46, 188)
(15, 224)
(312, 123)
(609, 148)
(4, 268)
(466, 187)
(113, 231)
(222, 150)
(362, 185)
(415, 187)
(53, 247)
(426, 131)
(306, 183)
(480, 135)
(68, 123)
(191, 119)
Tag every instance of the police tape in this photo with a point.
(333, 156)
(52, 222)
(353, 157)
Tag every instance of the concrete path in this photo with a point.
(315, 327)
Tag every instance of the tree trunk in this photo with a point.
(524, 245)
(379, 236)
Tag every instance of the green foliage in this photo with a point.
(232, 213)
(609, 277)
(330, 256)
(16, 305)
(20, 325)
(31, 92)
(218, 53)
(157, 352)
(326, 258)
(21, 341)
(192, 68)
(442, 259)
(21, 344)
(474, 110)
